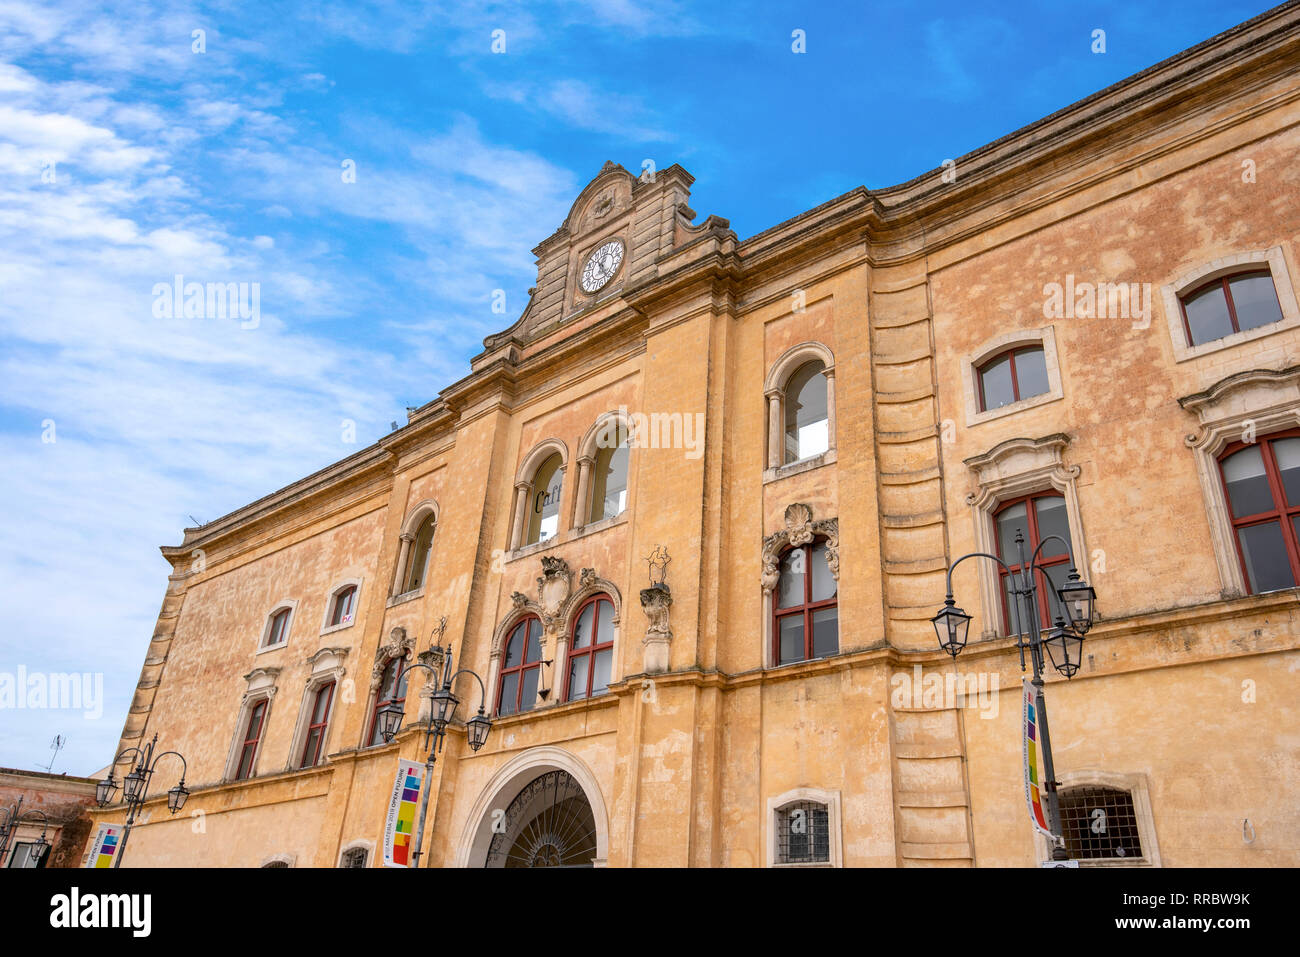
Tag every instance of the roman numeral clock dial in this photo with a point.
(602, 265)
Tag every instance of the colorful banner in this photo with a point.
(104, 846)
(399, 829)
(1033, 797)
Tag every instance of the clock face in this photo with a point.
(601, 265)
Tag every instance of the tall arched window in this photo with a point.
(806, 615)
(807, 423)
(544, 501)
(591, 650)
(392, 690)
(520, 667)
(1037, 516)
(418, 568)
(609, 476)
(1262, 483)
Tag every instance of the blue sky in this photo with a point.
(225, 166)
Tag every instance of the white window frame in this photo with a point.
(778, 377)
(991, 349)
(1274, 259)
(325, 627)
(831, 801)
(261, 687)
(1009, 470)
(292, 605)
(326, 666)
(1139, 789)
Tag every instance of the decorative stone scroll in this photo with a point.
(800, 529)
(400, 645)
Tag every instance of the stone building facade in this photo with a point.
(1068, 330)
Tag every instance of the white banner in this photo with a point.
(399, 827)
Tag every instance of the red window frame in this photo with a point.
(398, 696)
(1045, 603)
(806, 609)
(350, 595)
(590, 651)
(280, 616)
(1015, 381)
(1224, 281)
(252, 736)
(311, 750)
(519, 669)
(1282, 513)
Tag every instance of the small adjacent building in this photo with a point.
(49, 807)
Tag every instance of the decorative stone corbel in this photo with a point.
(655, 602)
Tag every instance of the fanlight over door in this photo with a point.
(548, 824)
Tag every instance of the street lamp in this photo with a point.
(135, 788)
(13, 817)
(1063, 642)
(442, 711)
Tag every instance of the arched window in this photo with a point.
(520, 667)
(418, 567)
(276, 632)
(252, 737)
(1100, 824)
(1037, 516)
(392, 690)
(1229, 304)
(1262, 484)
(591, 650)
(544, 501)
(1011, 376)
(317, 722)
(805, 609)
(609, 475)
(343, 607)
(807, 422)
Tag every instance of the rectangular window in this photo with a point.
(311, 752)
(803, 834)
(252, 735)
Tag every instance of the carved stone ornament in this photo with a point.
(656, 602)
(400, 645)
(552, 589)
(800, 529)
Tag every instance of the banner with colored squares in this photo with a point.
(1033, 797)
(104, 847)
(399, 829)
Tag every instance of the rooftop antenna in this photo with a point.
(57, 744)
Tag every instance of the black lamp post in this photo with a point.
(135, 788)
(1063, 642)
(442, 712)
(13, 817)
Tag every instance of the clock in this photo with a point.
(601, 265)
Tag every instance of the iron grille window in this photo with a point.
(354, 858)
(1100, 824)
(803, 834)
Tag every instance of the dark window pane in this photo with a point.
(1267, 565)
(826, 632)
(791, 590)
(1099, 824)
(509, 692)
(1207, 315)
(604, 621)
(1247, 482)
(578, 678)
(1008, 521)
(1052, 520)
(600, 678)
(582, 630)
(1031, 372)
(309, 753)
(420, 555)
(791, 635)
(528, 699)
(823, 584)
(1287, 452)
(996, 380)
(1255, 301)
(1015, 615)
(1057, 575)
(534, 640)
(514, 646)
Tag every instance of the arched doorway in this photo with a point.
(548, 824)
(522, 803)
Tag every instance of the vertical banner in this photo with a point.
(1033, 796)
(399, 828)
(104, 846)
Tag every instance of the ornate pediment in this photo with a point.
(800, 529)
(399, 645)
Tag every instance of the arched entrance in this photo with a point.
(548, 824)
(542, 808)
